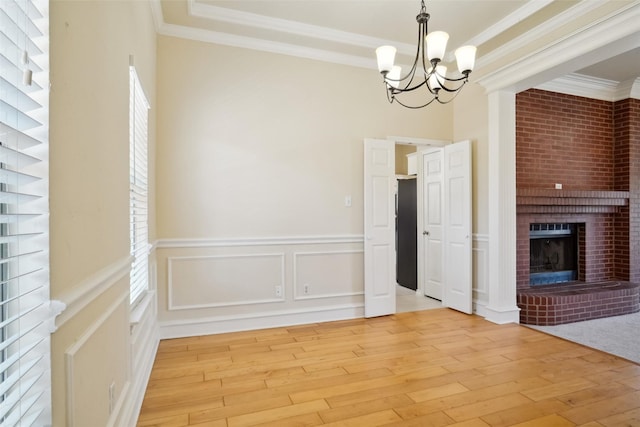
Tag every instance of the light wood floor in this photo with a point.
(429, 368)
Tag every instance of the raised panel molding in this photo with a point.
(75, 382)
(480, 267)
(241, 275)
(330, 268)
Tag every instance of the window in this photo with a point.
(138, 125)
(25, 385)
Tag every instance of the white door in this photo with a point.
(432, 223)
(379, 228)
(457, 278)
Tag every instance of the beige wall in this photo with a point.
(401, 157)
(89, 222)
(257, 144)
(471, 122)
(253, 145)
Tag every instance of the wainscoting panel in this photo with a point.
(480, 269)
(225, 280)
(211, 285)
(95, 399)
(327, 274)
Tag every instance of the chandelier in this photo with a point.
(430, 74)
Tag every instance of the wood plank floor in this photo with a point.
(429, 368)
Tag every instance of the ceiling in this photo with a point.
(348, 31)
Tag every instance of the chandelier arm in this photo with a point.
(411, 89)
(446, 89)
(414, 67)
(449, 79)
(412, 107)
(450, 99)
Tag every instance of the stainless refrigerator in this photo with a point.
(406, 234)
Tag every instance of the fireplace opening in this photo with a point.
(553, 251)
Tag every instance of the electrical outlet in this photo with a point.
(278, 291)
(306, 289)
(112, 396)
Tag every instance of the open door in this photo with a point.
(457, 277)
(432, 223)
(379, 228)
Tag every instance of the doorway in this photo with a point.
(412, 293)
(455, 203)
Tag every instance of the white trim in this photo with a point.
(266, 46)
(232, 16)
(498, 316)
(256, 241)
(509, 21)
(235, 323)
(592, 87)
(138, 311)
(147, 333)
(297, 297)
(173, 307)
(74, 348)
(618, 27)
(480, 237)
(89, 289)
(156, 13)
(520, 42)
(420, 142)
(581, 85)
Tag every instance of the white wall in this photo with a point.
(256, 153)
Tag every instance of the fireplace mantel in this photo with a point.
(539, 200)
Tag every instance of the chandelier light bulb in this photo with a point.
(436, 45)
(437, 78)
(386, 57)
(393, 76)
(466, 58)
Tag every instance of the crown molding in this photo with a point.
(509, 21)
(266, 46)
(581, 85)
(594, 88)
(237, 17)
(620, 26)
(610, 28)
(520, 42)
(206, 11)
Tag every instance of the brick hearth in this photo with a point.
(592, 148)
(548, 305)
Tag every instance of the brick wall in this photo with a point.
(563, 139)
(584, 144)
(627, 177)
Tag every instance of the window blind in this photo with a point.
(138, 179)
(25, 397)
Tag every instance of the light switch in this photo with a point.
(347, 201)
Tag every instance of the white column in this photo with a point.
(502, 307)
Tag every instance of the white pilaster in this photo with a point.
(502, 307)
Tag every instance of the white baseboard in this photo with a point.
(222, 324)
(499, 316)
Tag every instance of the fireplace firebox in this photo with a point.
(553, 251)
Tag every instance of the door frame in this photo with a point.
(423, 145)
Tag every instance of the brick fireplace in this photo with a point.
(591, 148)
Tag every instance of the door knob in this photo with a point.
(425, 233)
